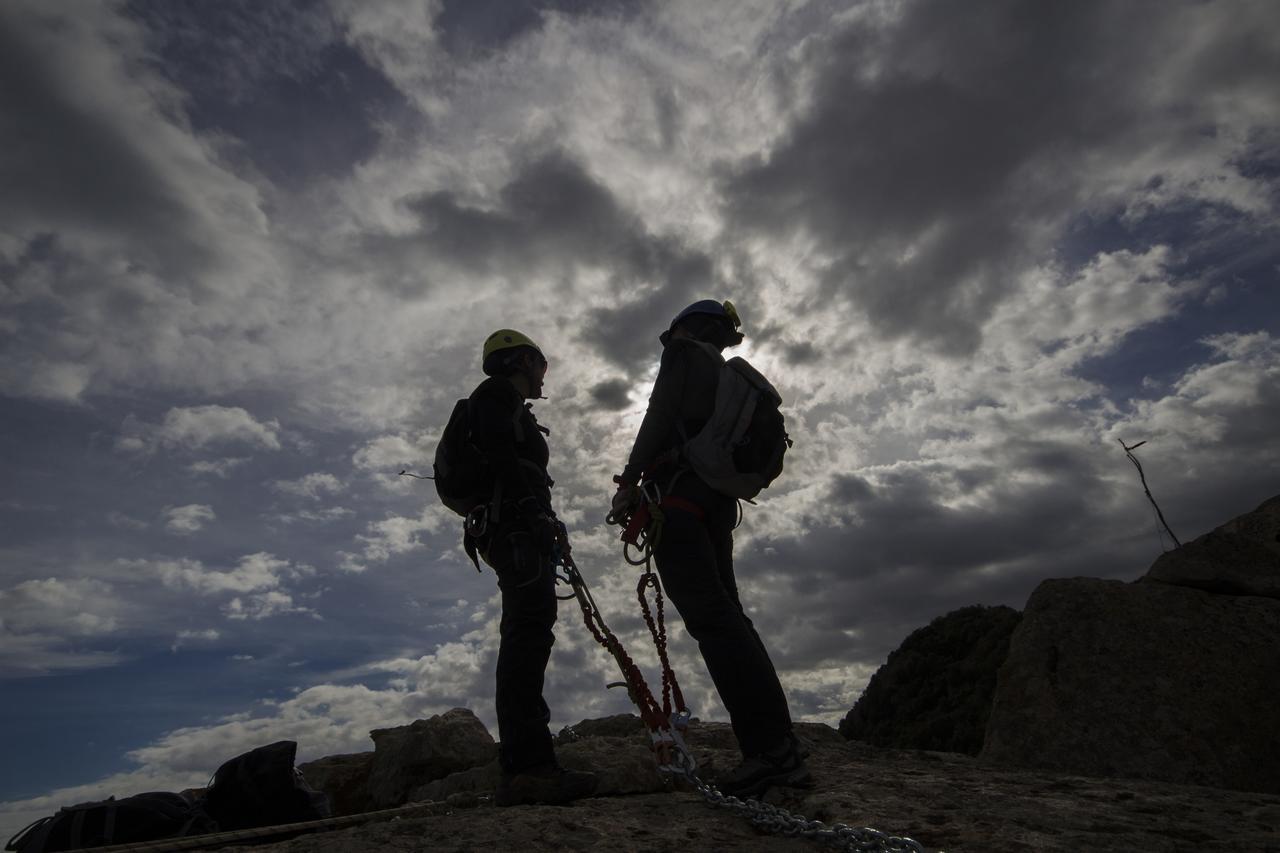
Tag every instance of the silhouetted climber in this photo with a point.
(694, 553)
(516, 536)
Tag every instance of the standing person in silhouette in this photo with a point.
(518, 539)
(694, 553)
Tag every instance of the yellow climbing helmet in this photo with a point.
(507, 339)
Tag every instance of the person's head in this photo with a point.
(712, 322)
(515, 356)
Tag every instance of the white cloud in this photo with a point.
(53, 624)
(253, 573)
(188, 519)
(132, 233)
(198, 426)
(81, 607)
(128, 522)
(187, 637)
(25, 655)
(63, 381)
(401, 40)
(262, 605)
(318, 516)
(195, 428)
(312, 486)
(221, 468)
(1219, 410)
(395, 535)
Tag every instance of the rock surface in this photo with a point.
(946, 801)
(1242, 557)
(408, 757)
(935, 690)
(1142, 680)
(344, 778)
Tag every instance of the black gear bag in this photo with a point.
(460, 471)
(142, 817)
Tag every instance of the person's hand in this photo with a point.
(626, 499)
(543, 528)
(546, 533)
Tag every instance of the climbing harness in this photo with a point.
(667, 731)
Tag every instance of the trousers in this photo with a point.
(527, 582)
(695, 561)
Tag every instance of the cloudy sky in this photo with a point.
(249, 252)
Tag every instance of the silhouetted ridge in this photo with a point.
(935, 690)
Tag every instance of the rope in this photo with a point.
(653, 715)
(218, 839)
(642, 529)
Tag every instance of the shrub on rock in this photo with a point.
(935, 690)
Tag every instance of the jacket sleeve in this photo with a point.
(493, 429)
(664, 410)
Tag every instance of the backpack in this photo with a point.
(739, 449)
(142, 817)
(262, 788)
(463, 479)
(461, 474)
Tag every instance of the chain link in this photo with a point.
(778, 821)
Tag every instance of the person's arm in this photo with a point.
(664, 409)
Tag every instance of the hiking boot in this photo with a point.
(549, 784)
(783, 765)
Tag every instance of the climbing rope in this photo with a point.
(221, 839)
(666, 729)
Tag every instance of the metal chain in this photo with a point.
(778, 821)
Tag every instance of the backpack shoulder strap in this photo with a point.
(756, 378)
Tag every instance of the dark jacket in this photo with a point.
(507, 434)
(684, 395)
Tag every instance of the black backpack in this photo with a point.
(460, 471)
(142, 817)
(262, 788)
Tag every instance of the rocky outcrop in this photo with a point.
(344, 778)
(1145, 680)
(408, 757)
(946, 801)
(1242, 557)
(935, 690)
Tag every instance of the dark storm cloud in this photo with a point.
(551, 209)
(555, 218)
(611, 394)
(275, 76)
(939, 147)
(889, 557)
(64, 165)
(484, 25)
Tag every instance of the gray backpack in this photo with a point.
(739, 450)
